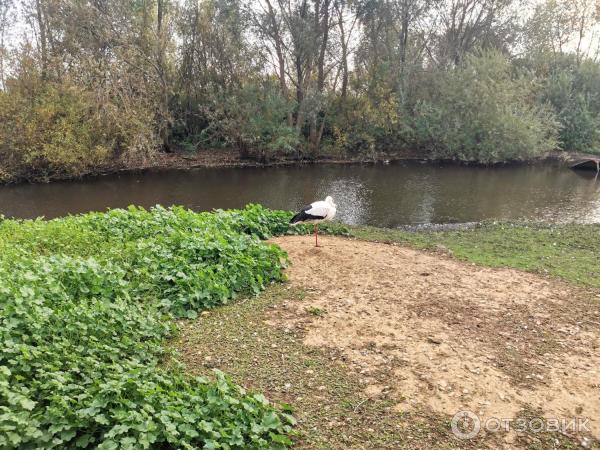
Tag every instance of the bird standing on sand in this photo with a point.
(315, 213)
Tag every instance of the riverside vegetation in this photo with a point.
(87, 302)
(87, 87)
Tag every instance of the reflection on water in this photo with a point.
(403, 193)
(353, 199)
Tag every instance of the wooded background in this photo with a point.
(86, 85)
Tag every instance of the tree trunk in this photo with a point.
(159, 16)
(344, 45)
(162, 73)
(322, 26)
(43, 38)
(403, 47)
(2, 32)
(280, 58)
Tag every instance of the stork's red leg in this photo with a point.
(316, 235)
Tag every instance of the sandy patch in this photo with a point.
(450, 335)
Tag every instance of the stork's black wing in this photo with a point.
(310, 212)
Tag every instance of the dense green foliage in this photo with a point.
(566, 251)
(87, 86)
(62, 131)
(482, 114)
(574, 92)
(87, 302)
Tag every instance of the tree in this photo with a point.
(346, 30)
(557, 25)
(396, 40)
(466, 25)
(298, 36)
(5, 22)
(309, 77)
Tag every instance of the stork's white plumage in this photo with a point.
(315, 213)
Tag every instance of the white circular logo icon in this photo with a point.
(465, 425)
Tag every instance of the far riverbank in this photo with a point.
(231, 158)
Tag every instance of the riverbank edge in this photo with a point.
(232, 159)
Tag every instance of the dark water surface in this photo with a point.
(392, 195)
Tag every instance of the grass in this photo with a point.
(327, 400)
(569, 252)
(315, 311)
(326, 397)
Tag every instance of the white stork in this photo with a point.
(315, 213)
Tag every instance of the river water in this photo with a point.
(382, 195)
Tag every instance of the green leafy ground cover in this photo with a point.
(87, 303)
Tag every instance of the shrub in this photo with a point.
(486, 113)
(363, 126)
(573, 92)
(55, 133)
(57, 130)
(252, 118)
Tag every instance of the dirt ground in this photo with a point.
(428, 330)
